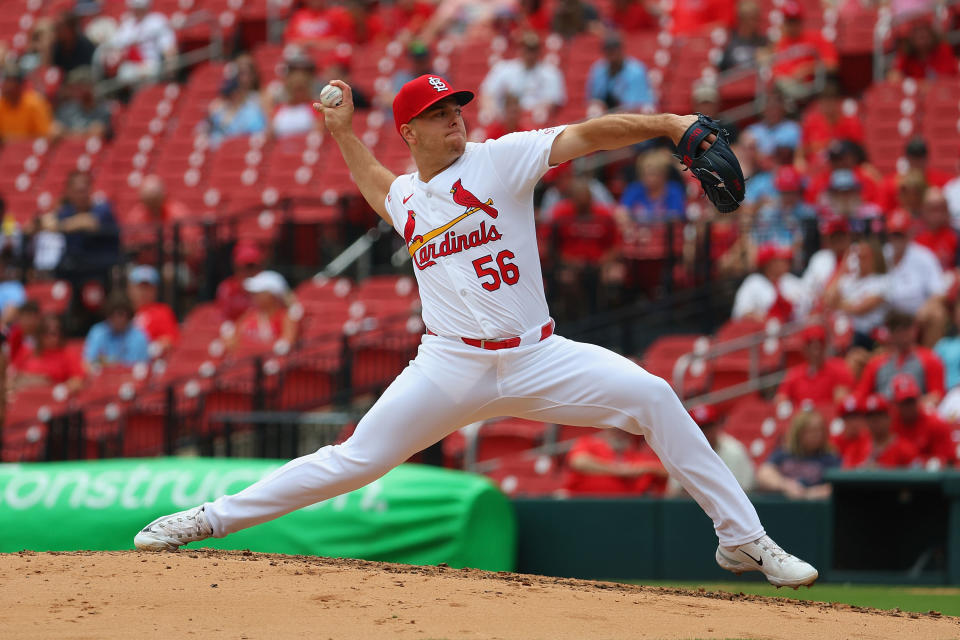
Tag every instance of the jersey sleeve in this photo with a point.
(520, 159)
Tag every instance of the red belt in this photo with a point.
(494, 344)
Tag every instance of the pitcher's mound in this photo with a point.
(239, 594)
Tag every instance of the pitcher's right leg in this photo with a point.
(412, 414)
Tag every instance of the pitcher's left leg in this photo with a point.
(581, 384)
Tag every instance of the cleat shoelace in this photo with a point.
(184, 526)
(773, 549)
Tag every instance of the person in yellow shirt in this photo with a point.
(24, 113)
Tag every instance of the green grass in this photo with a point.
(946, 600)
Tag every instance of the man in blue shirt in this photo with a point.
(116, 340)
(618, 81)
(91, 241)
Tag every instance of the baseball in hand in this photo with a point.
(331, 96)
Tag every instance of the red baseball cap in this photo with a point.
(247, 253)
(875, 403)
(814, 332)
(849, 406)
(899, 222)
(704, 414)
(418, 94)
(788, 179)
(792, 9)
(904, 387)
(835, 224)
(766, 253)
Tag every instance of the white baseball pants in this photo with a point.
(450, 384)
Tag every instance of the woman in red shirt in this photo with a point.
(49, 362)
(272, 321)
(923, 55)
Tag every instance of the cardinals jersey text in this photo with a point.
(471, 235)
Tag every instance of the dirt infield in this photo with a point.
(239, 594)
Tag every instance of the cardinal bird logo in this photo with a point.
(410, 227)
(466, 199)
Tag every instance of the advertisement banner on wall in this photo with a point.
(414, 514)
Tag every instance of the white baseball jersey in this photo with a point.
(472, 237)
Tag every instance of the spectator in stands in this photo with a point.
(24, 112)
(799, 51)
(844, 199)
(747, 43)
(316, 24)
(143, 47)
(613, 462)
(156, 207)
(771, 292)
(730, 450)
(39, 49)
(79, 112)
(513, 118)
(936, 234)
(405, 19)
(783, 220)
(921, 427)
(911, 191)
(235, 114)
(48, 362)
(654, 196)
(538, 83)
(797, 468)
(853, 443)
(233, 299)
(337, 67)
(23, 329)
(618, 81)
(71, 47)
(116, 341)
(917, 284)
(819, 379)
(822, 266)
(859, 290)
(272, 321)
(706, 99)
(825, 121)
(775, 129)
(80, 238)
(880, 447)
(364, 25)
(294, 113)
(573, 17)
(903, 356)
(917, 156)
(418, 55)
(844, 155)
(923, 54)
(562, 180)
(700, 17)
(761, 190)
(156, 319)
(587, 244)
(631, 16)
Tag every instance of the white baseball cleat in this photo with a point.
(763, 554)
(168, 533)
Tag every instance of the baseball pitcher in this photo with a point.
(466, 216)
